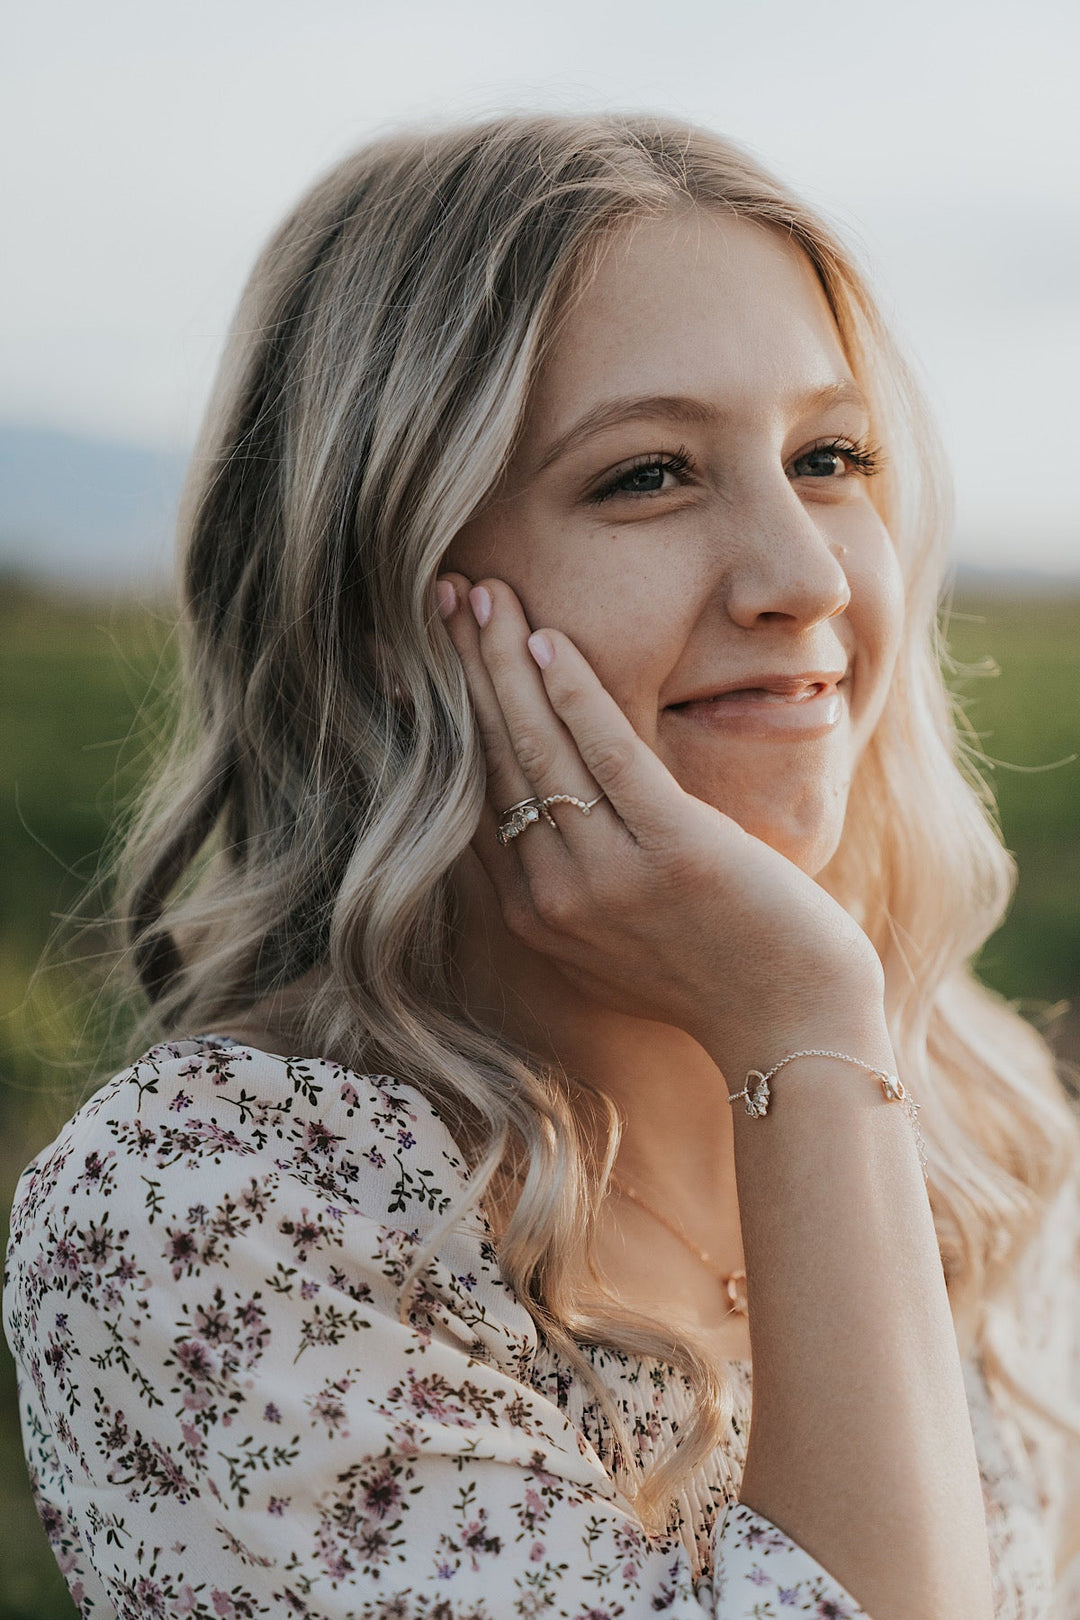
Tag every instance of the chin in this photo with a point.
(808, 835)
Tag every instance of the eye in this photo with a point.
(646, 475)
(838, 457)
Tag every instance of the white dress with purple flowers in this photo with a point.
(224, 1415)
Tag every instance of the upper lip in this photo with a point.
(787, 684)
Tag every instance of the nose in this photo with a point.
(786, 568)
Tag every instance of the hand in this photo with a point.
(656, 903)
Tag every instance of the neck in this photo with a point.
(677, 1141)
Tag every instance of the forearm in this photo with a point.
(860, 1445)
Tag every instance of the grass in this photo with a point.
(73, 676)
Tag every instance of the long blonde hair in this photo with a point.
(327, 773)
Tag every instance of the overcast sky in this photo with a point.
(152, 145)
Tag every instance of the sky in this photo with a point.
(152, 148)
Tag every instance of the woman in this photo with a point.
(564, 866)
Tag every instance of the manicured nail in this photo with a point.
(481, 604)
(446, 596)
(541, 648)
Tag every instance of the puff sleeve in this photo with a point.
(224, 1416)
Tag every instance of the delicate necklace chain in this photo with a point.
(729, 1280)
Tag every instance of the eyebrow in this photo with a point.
(683, 408)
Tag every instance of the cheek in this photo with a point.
(878, 608)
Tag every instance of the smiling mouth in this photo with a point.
(755, 711)
(760, 694)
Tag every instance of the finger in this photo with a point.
(639, 787)
(545, 749)
(506, 783)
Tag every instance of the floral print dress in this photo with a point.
(225, 1416)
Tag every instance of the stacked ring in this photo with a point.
(526, 811)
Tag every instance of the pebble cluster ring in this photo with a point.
(526, 811)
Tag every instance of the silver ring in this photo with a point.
(518, 817)
(568, 798)
(526, 811)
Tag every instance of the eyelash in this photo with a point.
(864, 458)
(678, 462)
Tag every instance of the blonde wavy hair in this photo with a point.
(327, 773)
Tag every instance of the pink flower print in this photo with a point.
(196, 1400)
(381, 1495)
(223, 1604)
(306, 1233)
(277, 1506)
(328, 1406)
(181, 1251)
(180, 1101)
(41, 1269)
(94, 1167)
(536, 1552)
(66, 1259)
(192, 1436)
(308, 1289)
(150, 1596)
(317, 1139)
(404, 1442)
(271, 1413)
(99, 1245)
(186, 1601)
(349, 1095)
(196, 1360)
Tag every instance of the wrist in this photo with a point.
(864, 1037)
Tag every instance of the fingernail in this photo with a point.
(481, 604)
(541, 648)
(446, 596)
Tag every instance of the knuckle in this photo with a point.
(612, 759)
(566, 683)
(491, 739)
(554, 906)
(535, 753)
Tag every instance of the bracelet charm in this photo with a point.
(758, 1093)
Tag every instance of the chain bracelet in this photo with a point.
(758, 1094)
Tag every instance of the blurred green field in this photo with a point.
(73, 676)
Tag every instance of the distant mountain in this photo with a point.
(86, 511)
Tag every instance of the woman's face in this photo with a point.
(687, 505)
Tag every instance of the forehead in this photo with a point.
(697, 303)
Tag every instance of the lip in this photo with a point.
(774, 681)
(773, 713)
